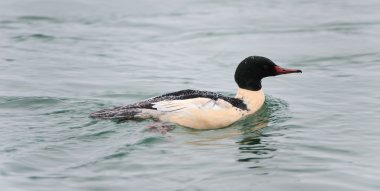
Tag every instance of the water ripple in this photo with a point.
(40, 37)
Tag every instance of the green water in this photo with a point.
(61, 60)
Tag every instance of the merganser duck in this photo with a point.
(203, 109)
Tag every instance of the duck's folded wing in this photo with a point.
(192, 95)
(180, 101)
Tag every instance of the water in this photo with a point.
(61, 60)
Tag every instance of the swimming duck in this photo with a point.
(203, 109)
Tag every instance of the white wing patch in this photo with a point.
(196, 103)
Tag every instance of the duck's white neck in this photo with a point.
(253, 99)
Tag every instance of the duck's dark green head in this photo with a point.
(251, 70)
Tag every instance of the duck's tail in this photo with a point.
(117, 113)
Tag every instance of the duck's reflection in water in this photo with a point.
(255, 144)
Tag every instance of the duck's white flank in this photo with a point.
(205, 113)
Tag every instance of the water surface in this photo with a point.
(61, 60)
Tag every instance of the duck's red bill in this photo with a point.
(281, 70)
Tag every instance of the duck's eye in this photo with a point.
(265, 67)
